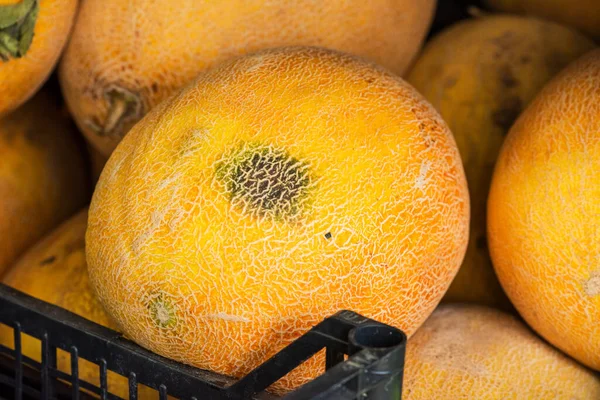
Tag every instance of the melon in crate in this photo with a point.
(275, 190)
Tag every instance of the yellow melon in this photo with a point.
(496, 65)
(43, 178)
(126, 56)
(544, 212)
(465, 352)
(581, 14)
(55, 271)
(33, 34)
(274, 191)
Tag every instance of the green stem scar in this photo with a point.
(162, 312)
(17, 22)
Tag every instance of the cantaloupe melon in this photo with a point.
(55, 271)
(581, 14)
(43, 177)
(544, 212)
(465, 352)
(480, 74)
(126, 56)
(275, 190)
(33, 34)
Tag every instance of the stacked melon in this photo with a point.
(258, 166)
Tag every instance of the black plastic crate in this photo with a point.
(373, 369)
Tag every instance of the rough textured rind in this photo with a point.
(580, 14)
(465, 352)
(544, 211)
(384, 234)
(21, 77)
(43, 177)
(480, 74)
(55, 271)
(149, 49)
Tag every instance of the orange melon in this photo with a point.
(33, 34)
(55, 271)
(498, 63)
(544, 212)
(475, 352)
(275, 190)
(43, 177)
(581, 14)
(126, 56)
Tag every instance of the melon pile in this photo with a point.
(213, 179)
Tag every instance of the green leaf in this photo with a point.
(27, 29)
(17, 23)
(9, 42)
(14, 13)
